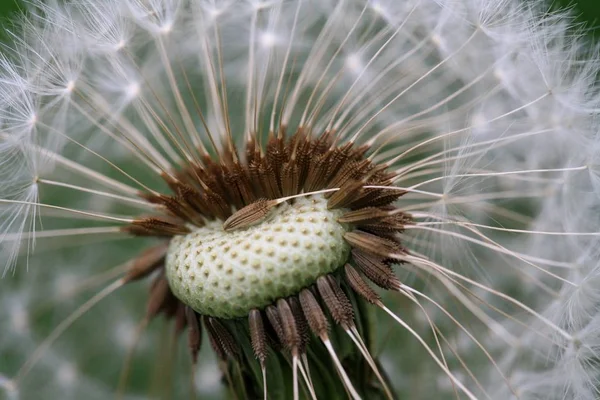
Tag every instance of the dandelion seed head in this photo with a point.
(451, 146)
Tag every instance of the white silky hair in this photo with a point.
(487, 110)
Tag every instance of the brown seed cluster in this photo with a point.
(243, 193)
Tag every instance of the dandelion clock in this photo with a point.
(299, 199)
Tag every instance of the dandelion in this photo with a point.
(299, 199)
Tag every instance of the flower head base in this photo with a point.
(227, 274)
(265, 165)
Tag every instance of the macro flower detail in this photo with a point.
(299, 199)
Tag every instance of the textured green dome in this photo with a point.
(226, 274)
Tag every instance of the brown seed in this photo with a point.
(276, 323)
(386, 226)
(193, 198)
(222, 337)
(250, 215)
(180, 318)
(352, 170)
(373, 244)
(157, 226)
(343, 300)
(337, 308)
(180, 209)
(159, 297)
(376, 270)
(290, 178)
(276, 154)
(146, 263)
(219, 207)
(316, 177)
(314, 314)
(212, 337)
(349, 192)
(270, 180)
(194, 333)
(290, 328)
(358, 284)
(363, 215)
(257, 335)
(377, 197)
(301, 323)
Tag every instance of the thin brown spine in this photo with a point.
(315, 317)
(376, 270)
(194, 333)
(358, 284)
(334, 305)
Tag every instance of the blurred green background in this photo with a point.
(587, 11)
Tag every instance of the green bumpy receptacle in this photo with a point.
(227, 274)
